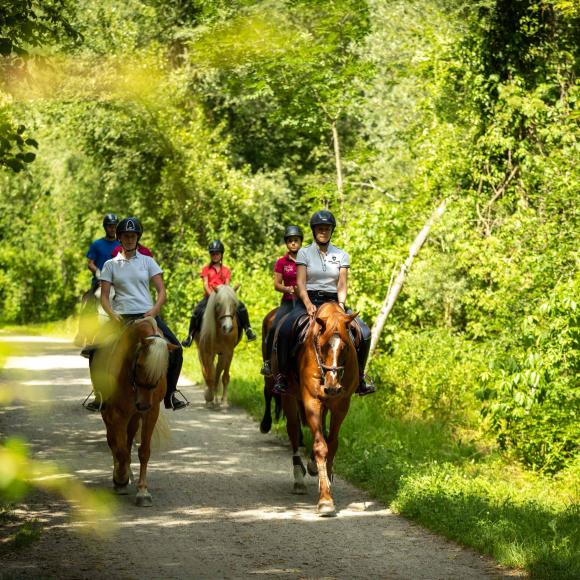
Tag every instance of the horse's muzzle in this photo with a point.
(333, 391)
(142, 407)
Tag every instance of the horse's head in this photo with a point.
(225, 306)
(150, 362)
(334, 349)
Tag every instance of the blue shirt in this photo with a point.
(101, 250)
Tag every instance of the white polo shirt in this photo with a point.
(131, 280)
(322, 271)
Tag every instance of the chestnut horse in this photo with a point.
(218, 337)
(327, 376)
(129, 371)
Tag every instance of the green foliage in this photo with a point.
(214, 119)
(532, 398)
(430, 374)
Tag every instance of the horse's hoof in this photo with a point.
(121, 489)
(312, 468)
(208, 396)
(265, 426)
(144, 499)
(299, 489)
(326, 509)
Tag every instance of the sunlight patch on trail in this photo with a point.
(46, 363)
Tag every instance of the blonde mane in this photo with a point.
(157, 359)
(222, 300)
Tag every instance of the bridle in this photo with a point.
(326, 368)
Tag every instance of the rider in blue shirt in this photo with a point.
(101, 250)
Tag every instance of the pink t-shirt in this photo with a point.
(287, 267)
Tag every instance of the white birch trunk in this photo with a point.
(395, 289)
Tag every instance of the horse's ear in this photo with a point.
(352, 316)
(171, 347)
(237, 287)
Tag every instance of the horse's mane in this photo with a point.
(157, 359)
(221, 296)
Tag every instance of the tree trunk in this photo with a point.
(339, 182)
(394, 290)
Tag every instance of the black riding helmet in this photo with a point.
(322, 218)
(216, 247)
(291, 231)
(130, 225)
(110, 219)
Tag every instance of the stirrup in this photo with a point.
(366, 386)
(185, 401)
(98, 400)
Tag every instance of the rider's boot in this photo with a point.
(366, 386)
(280, 384)
(88, 351)
(266, 369)
(174, 402)
(250, 334)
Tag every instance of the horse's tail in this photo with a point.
(277, 406)
(161, 439)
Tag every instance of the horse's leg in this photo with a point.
(313, 410)
(294, 430)
(337, 416)
(266, 423)
(132, 429)
(219, 369)
(208, 371)
(117, 440)
(226, 362)
(143, 498)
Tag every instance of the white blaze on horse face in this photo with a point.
(226, 323)
(334, 349)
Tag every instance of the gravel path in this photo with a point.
(223, 506)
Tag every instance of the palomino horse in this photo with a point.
(218, 337)
(327, 377)
(129, 371)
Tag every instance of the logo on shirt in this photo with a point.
(333, 258)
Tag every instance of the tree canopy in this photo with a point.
(225, 119)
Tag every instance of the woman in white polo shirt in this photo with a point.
(321, 276)
(131, 273)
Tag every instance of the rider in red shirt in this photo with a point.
(215, 274)
(285, 282)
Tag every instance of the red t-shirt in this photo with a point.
(287, 267)
(215, 278)
(141, 249)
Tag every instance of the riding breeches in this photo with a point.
(285, 342)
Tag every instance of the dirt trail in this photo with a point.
(223, 506)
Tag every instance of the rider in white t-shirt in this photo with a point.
(131, 273)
